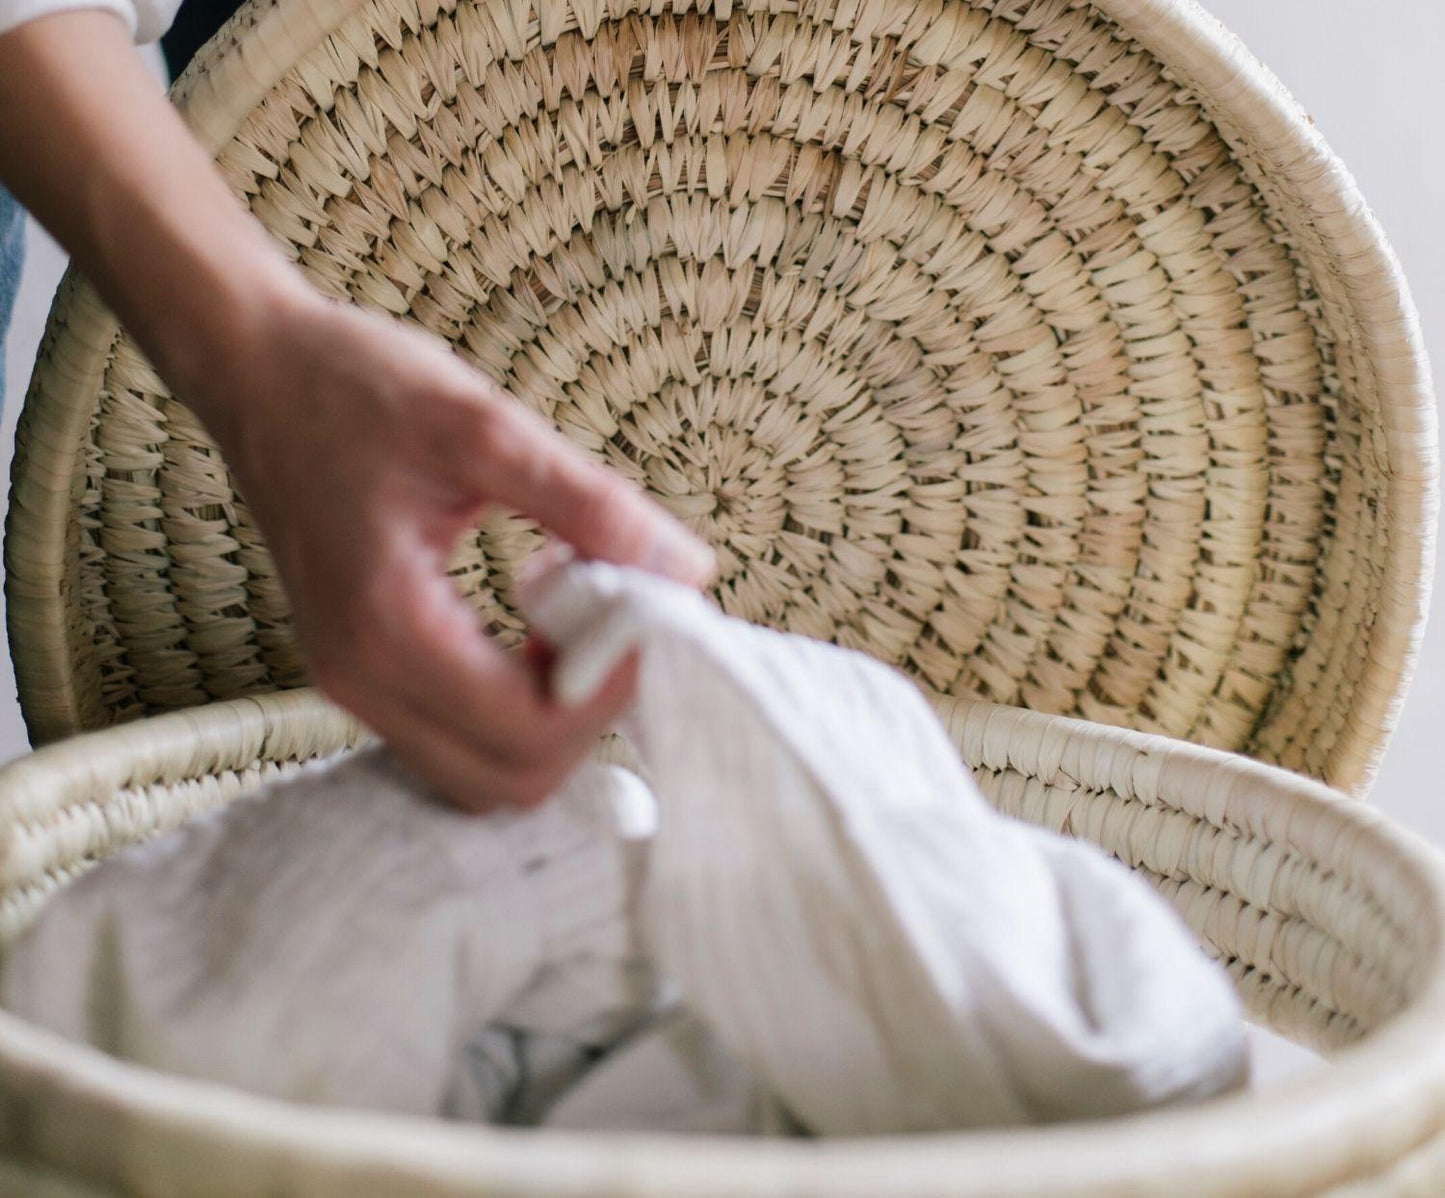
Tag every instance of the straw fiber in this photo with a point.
(1038, 348)
(1329, 920)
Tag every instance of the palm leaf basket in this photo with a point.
(1039, 348)
(1331, 921)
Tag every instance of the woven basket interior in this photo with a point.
(1328, 920)
(961, 329)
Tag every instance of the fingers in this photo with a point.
(515, 459)
(362, 536)
(456, 771)
(475, 722)
(468, 770)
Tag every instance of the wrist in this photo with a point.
(213, 351)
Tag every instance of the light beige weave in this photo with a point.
(1039, 348)
(1329, 919)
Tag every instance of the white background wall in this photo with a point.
(1369, 73)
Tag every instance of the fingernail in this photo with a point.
(677, 554)
(546, 559)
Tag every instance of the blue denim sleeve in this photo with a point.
(12, 257)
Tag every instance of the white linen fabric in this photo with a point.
(672, 1075)
(828, 932)
(146, 19)
(833, 896)
(341, 937)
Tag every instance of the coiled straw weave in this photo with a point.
(1037, 347)
(1329, 920)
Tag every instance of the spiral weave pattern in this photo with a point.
(959, 327)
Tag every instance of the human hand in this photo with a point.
(365, 450)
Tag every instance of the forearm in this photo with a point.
(94, 149)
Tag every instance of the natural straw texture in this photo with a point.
(1329, 920)
(1039, 348)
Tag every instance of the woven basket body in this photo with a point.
(1329, 920)
(1038, 348)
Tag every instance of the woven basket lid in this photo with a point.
(1040, 348)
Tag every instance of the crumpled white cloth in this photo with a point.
(145, 19)
(829, 932)
(833, 896)
(340, 937)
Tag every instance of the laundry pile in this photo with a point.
(799, 916)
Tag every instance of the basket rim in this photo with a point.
(1372, 1106)
(262, 42)
(1200, 49)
